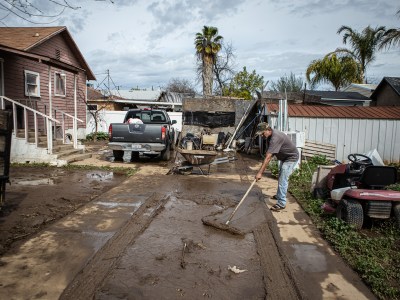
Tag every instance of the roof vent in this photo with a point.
(36, 34)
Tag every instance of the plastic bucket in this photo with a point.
(189, 145)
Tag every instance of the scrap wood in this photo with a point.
(235, 270)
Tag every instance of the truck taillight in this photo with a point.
(110, 131)
(163, 131)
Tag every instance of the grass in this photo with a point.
(374, 253)
(118, 170)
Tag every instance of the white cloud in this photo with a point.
(145, 43)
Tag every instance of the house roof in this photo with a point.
(332, 98)
(362, 88)
(393, 82)
(339, 95)
(339, 112)
(143, 95)
(27, 38)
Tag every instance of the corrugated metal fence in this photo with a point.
(352, 135)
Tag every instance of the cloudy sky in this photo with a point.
(145, 43)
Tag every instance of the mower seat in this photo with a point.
(378, 177)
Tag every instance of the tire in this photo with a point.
(396, 212)
(351, 212)
(166, 154)
(118, 154)
(172, 140)
(134, 155)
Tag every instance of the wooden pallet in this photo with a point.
(312, 148)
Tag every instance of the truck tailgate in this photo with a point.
(136, 133)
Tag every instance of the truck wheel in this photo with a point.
(166, 154)
(351, 212)
(172, 143)
(396, 212)
(134, 155)
(118, 154)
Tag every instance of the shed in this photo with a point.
(351, 129)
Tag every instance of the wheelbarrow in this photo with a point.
(199, 159)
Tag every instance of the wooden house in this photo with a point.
(387, 92)
(43, 78)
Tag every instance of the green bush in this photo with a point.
(100, 136)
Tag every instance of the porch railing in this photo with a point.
(48, 121)
(65, 115)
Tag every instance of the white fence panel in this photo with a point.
(352, 135)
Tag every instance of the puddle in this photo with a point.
(100, 175)
(43, 181)
(309, 259)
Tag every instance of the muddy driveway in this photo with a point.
(144, 239)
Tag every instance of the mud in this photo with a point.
(39, 196)
(144, 239)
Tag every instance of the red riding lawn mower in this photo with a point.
(358, 191)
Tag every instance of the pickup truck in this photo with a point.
(153, 135)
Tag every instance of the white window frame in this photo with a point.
(62, 75)
(37, 84)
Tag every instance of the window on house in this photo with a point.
(92, 106)
(59, 84)
(32, 84)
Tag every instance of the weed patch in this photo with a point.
(374, 253)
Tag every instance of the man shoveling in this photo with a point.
(283, 148)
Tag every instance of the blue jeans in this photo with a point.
(285, 170)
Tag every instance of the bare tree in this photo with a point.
(32, 11)
(180, 85)
(223, 68)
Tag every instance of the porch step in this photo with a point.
(67, 153)
(76, 157)
(64, 152)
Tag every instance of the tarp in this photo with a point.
(208, 119)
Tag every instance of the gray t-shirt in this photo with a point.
(280, 145)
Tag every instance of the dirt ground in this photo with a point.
(39, 196)
(79, 234)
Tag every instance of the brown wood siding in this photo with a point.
(14, 88)
(56, 43)
(66, 104)
(387, 97)
(14, 78)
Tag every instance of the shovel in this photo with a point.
(240, 203)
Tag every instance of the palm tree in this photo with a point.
(364, 45)
(391, 37)
(338, 71)
(208, 44)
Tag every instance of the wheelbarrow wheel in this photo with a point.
(351, 212)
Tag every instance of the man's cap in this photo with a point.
(261, 127)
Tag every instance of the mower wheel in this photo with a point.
(396, 212)
(351, 212)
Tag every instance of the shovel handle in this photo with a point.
(237, 206)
